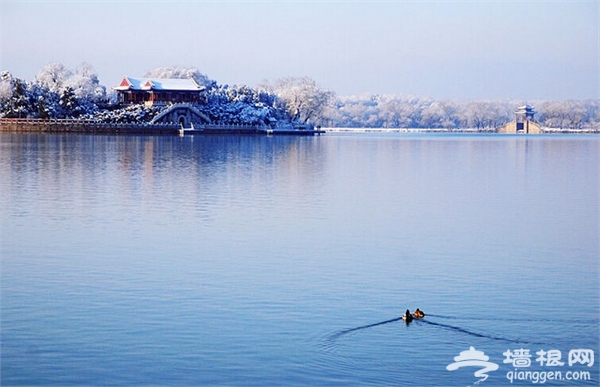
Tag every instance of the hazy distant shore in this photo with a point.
(439, 130)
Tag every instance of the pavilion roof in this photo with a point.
(525, 107)
(158, 84)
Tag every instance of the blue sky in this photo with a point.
(440, 49)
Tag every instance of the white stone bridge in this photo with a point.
(181, 113)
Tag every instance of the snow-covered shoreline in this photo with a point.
(36, 125)
(440, 130)
(59, 93)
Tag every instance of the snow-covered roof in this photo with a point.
(525, 107)
(158, 84)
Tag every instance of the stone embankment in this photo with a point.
(26, 125)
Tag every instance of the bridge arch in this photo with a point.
(181, 113)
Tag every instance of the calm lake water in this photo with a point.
(268, 261)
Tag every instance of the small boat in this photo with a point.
(183, 130)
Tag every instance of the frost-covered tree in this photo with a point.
(54, 77)
(6, 88)
(86, 85)
(130, 114)
(485, 114)
(58, 92)
(240, 104)
(399, 112)
(17, 105)
(416, 112)
(45, 104)
(565, 114)
(42, 110)
(355, 111)
(440, 114)
(68, 101)
(67, 94)
(302, 98)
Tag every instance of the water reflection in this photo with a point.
(230, 259)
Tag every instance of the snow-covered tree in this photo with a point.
(355, 111)
(68, 101)
(130, 114)
(6, 87)
(485, 114)
(240, 104)
(440, 114)
(303, 99)
(58, 92)
(18, 103)
(54, 77)
(564, 114)
(85, 84)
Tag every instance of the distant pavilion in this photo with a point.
(523, 123)
(158, 91)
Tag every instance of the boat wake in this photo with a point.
(427, 321)
(346, 331)
(477, 334)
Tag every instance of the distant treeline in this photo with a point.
(392, 111)
(58, 92)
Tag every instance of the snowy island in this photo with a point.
(168, 99)
(164, 100)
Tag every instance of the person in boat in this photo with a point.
(418, 313)
(407, 316)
